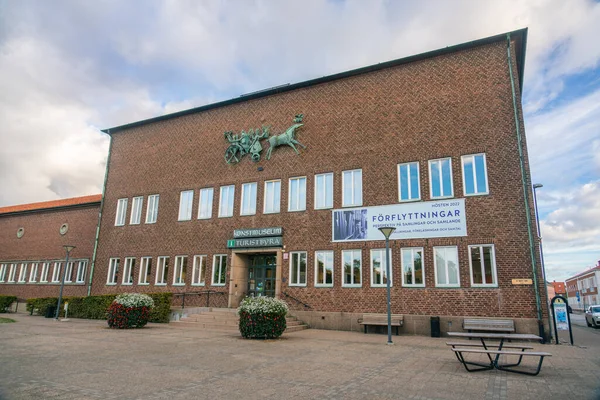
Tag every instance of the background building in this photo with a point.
(582, 289)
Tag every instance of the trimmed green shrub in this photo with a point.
(262, 317)
(130, 310)
(5, 302)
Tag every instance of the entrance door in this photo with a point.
(261, 275)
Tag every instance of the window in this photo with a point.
(69, 272)
(12, 273)
(352, 188)
(162, 271)
(408, 182)
(81, 267)
(44, 273)
(113, 270)
(186, 198)
(180, 270)
(199, 271)
(297, 194)
(351, 268)
(324, 269)
(152, 209)
(272, 202)
(121, 211)
(446, 266)
(219, 270)
(56, 272)
(378, 268)
(226, 201)
(206, 203)
(2, 272)
(128, 271)
(323, 191)
(413, 273)
(298, 268)
(440, 178)
(23, 272)
(483, 265)
(136, 210)
(474, 175)
(145, 271)
(248, 199)
(33, 273)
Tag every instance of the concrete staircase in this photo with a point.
(225, 319)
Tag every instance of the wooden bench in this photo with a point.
(472, 344)
(489, 325)
(495, 364)
(381, 319)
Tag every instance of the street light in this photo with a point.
(68, 249)
(537, 221)
(387, 232)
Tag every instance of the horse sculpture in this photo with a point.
(287, 137)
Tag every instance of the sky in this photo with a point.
(71, 68)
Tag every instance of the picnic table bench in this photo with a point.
(489, 325)
(381, 319)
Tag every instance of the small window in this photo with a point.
(351, 268)
(474, 175)
(145, 271)
(69, 272)
(162, 271)
(180, 270)
(440, 178)
(408, 182)
(413, 272)
(323, 191)
(248, 199)
(186, 198)
(226, 201)
(272, 201)
(3, 272)
(378, 268)
(352, 188)
(297, 194)
(23, 273)
(12, 274)
(121, 212)
(44, 273)
(324, 269)
(483, 265)
(446, 266)
(56, 272)
(33, 272)
(199, 271)
(136, 210)
(152, 209)
(219, 270)
(128, 271)
(113, 270)
(81, 268)
(206, 203)
(298, 268)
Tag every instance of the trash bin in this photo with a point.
(50, 312)
(435, 326)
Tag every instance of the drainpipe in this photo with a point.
(89, 291)
(526, 188)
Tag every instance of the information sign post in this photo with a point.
(561, 317)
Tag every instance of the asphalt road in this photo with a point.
(583, 336)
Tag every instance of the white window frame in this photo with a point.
(408, 164)
(179, 273)
(439, 163)
(145, 270)
(12, 273)
(81, 270)
(228, 211)
(162, 271)
(56, 271)
(199, 270)
(326, 201)
(352, 284)
(298, 255)
(186, 201)
(44, 272)
(22, 273)
(383, 268)
(136, 210)
(69, 272)
(494, 269)
(205, 212)
(121, 214)
(152, 208)
(317, 283)
(128, 266)
(474, 177)
(3, 268)
(412, 252)
(353, 202)
(446, 285)
(249, 197)
(220, 266)
(269, 199)
(113, 270)
(301, 203)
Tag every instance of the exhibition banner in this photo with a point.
(424, 219)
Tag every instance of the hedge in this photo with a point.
(5, 302)
(262, 317)
(95, 307)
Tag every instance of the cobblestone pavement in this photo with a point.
(80, 359)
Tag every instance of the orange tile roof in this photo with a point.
(74, 201)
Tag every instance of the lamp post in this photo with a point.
(387, 232)
(68, 249)
(537, 221)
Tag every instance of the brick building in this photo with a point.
(32, 236)
(426, 143)
(582, 288)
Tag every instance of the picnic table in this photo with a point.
(494, 350)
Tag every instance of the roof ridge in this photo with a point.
(42, 205)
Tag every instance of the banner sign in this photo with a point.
(560, 316)
(257, 232)
(276, 241)
(424, 219)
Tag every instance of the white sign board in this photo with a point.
(560, 316)
(424, 219)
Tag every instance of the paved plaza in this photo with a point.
(82, 359)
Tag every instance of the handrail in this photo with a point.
(207, 292)
(293, 298)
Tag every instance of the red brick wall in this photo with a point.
(450, 105)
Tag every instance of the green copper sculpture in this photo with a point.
(287, 137)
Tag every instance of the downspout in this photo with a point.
(525, 190)
(89, 291)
